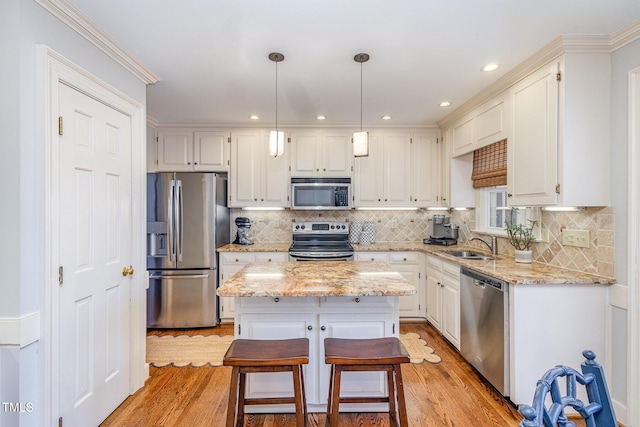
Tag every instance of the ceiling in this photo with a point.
(212, 55)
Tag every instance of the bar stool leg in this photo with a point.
(233, 390)
(304, 394)
(335, 398)
(330, 397)
(241, 397)
(402, 404)
(393, 419)
(297, 394)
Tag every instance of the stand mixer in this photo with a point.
(242, 236)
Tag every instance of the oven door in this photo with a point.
(320, 256)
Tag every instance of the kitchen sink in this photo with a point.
(469, 255)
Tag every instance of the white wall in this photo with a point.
(622, 61)
(24, 24)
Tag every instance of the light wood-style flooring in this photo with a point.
(450, 393)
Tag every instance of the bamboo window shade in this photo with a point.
(490, 165)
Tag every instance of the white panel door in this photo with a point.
(95, 223)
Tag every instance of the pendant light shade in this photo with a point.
(276, 138)
(361, 139)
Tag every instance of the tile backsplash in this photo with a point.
(413, 226)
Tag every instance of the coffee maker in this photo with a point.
(242, 235)
(443, 232)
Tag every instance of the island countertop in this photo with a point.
(316, 279)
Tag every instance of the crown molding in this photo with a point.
(284, 126)
(625, 35)
(558, 47)
(77, 21)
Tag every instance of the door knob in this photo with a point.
(127, 271)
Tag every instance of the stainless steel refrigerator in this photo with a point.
(187, 220)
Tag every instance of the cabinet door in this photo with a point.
(533, 148)
(175, 151)
(410, 266)
(444, 153)
(274, 326)
(463, 136)
(368, 178)
(397, 169)
(450, 326)
(306, 154)
(364, 325)
(230, 264)
(425, 170)
(372, 256)
(434, 297)
(337, 155)
(244, 174)
(211, 151)
(274, 177)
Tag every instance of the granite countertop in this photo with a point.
(503, 267)
(316, 279)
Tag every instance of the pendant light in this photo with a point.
(361, 139)
(276, 138)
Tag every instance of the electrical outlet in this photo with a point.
(394, 223)
(579, 238)
(276, 223)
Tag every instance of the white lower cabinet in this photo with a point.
(411, 266)
(443, 297)
(230, 264)
(316, 318)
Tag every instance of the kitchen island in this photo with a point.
(316, 300)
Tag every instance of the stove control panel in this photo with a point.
(320, 227)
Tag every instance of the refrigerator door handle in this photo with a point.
(179, 220)
(178, 276)
(170, 220)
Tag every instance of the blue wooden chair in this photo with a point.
(598, 412)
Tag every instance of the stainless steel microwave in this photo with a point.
(320, 193)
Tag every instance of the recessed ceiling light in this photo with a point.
(254, 117)
(444, 104)
(490, 67)
(386, 117)
(320, 117)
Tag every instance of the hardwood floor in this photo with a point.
(450, 393)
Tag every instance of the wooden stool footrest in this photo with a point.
(269, 400)
(364, 400)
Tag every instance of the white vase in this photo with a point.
(523, 256)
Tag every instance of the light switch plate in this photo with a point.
(579, 238)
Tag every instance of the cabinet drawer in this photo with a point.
(434, 263)
(271, 304)
(372, 256)
(272, 257)
(343, 302)
(451, 269)
(236, 258)
(404, 258)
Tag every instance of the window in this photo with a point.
(493, 209)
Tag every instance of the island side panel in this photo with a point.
(316, 318)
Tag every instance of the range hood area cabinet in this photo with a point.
(186, 150)
(321, 153)
(255, 177)
(401, 170)
(559, 149)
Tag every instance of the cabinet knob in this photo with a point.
(276, 299)
(323, 328)
(379, 200)
(385, 200)
(357, 300)
(324, 169)
(255, 200)
(404, 259)
(195, 163)
(317, 169)
(262, 200)
(188, 163)
(509, 195)
(269, 260)
(237, 260)
(310, 327)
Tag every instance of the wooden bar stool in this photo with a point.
(250, 356)
(377, 354)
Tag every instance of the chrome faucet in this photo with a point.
(493, 247)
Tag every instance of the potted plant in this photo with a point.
(521, 236)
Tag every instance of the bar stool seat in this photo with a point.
(254, 356)
(376, 354)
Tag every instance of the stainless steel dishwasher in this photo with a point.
(484, 326)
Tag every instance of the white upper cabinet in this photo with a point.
(188, 150)
(485, 125)
(560, 148)
(532, 149)
(383, 179)
(321, 153)
(255, 177)
(425, 170)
